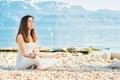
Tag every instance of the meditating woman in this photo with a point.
(28, 55)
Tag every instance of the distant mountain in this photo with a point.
(55, 14)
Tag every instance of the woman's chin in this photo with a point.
(32, 27)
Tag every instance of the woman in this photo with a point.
(28, 54)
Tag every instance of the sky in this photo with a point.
(87, 4)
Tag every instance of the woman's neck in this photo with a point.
(29, 31)
(29, 36)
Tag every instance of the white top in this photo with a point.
(23, 62)
(29, 49)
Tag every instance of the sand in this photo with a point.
(69, 67)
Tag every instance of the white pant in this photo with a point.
(42, 62)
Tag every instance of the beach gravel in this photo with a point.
(78, 67)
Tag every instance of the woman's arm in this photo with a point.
(21, 44)
(42, 54)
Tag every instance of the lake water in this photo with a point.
(62, 37)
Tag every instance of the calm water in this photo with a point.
(61, 37)
(61, 27)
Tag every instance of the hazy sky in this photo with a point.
(94, 4)
(87, 4)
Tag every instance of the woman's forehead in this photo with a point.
(30, 18)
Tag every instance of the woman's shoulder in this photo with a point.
(19, 37)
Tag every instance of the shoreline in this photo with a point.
(89, 49)
(47, 49)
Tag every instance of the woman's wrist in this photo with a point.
(27, 55)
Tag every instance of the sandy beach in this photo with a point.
(69, 67)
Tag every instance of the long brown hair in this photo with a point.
(23, 29)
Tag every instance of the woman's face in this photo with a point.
(30, 23)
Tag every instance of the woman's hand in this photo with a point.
(32, 55)
(58, 55)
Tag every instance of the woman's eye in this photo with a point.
(29, 21)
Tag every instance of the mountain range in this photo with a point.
(53, 13)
